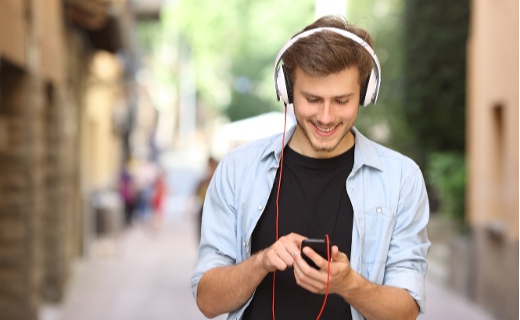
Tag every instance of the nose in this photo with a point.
(326, 113)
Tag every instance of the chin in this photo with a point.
(325, 147)
(324, 150)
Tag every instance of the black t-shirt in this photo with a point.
(313, 202)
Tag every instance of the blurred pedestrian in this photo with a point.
(127, 191)
(159, 193)
(145, 173)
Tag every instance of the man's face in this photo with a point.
(326, 108)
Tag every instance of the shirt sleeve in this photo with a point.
(218, 234)
(406, 265)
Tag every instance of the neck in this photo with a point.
(300, 143)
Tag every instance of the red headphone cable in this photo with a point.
(277, 215)
(328, 277)
(277, 197)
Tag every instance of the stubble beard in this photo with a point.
(316, 147)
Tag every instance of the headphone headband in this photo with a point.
(374, 80)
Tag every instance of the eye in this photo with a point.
(342, 102)
(313, 100)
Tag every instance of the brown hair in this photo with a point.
(327, 52)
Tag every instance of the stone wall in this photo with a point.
(41, 222)
(484, 268)
(22, 200)
(45, 188)
(62, 223)
(496, 273)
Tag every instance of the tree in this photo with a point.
(234, 47)
(384, 122)
(435, 74)
(435, 93)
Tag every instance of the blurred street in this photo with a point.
(145, 272)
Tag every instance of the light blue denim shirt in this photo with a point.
(388, 194)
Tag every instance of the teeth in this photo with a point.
(325, 129)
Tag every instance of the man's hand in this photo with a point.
(224, 289)
(373, 301)
(316, 280)
(282, 253)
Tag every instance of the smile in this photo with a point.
(325, 129)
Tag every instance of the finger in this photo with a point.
(289, 247)
(283, 251)
(309, 271)
(272, 260)
(279, 263)
(288, 256)
(309, 278)
(296, 239)
(315, 257)
(337, 255)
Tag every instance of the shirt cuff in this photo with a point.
(410, 280)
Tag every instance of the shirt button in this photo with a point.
(378, 210)
(260, 207)
(244, 243)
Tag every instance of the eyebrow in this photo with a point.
(343, 96)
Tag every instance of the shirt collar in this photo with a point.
(275, 145)
(365, 152)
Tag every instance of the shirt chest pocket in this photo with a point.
(379, 226)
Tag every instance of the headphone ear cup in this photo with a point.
(283, 86)
(288, 86)
(368, 95)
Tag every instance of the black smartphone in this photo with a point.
(319, 246)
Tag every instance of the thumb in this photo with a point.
(337, 255)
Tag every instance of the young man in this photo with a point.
(328, 179)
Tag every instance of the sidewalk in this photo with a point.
(442, 303)
(145, 274)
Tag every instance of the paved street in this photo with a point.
(443, 304)
(145, 274)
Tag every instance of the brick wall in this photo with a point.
(41, 222)
(44, 186)
(22, 201)
(53, 222)
(63, 223)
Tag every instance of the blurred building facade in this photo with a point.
(485, 263)
(67, 100)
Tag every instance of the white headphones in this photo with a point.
(369, 90)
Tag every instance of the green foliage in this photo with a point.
(383, 19)
(446, 172)
(435, 72)
(421, 45)
(148, 34)
(233, 43)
